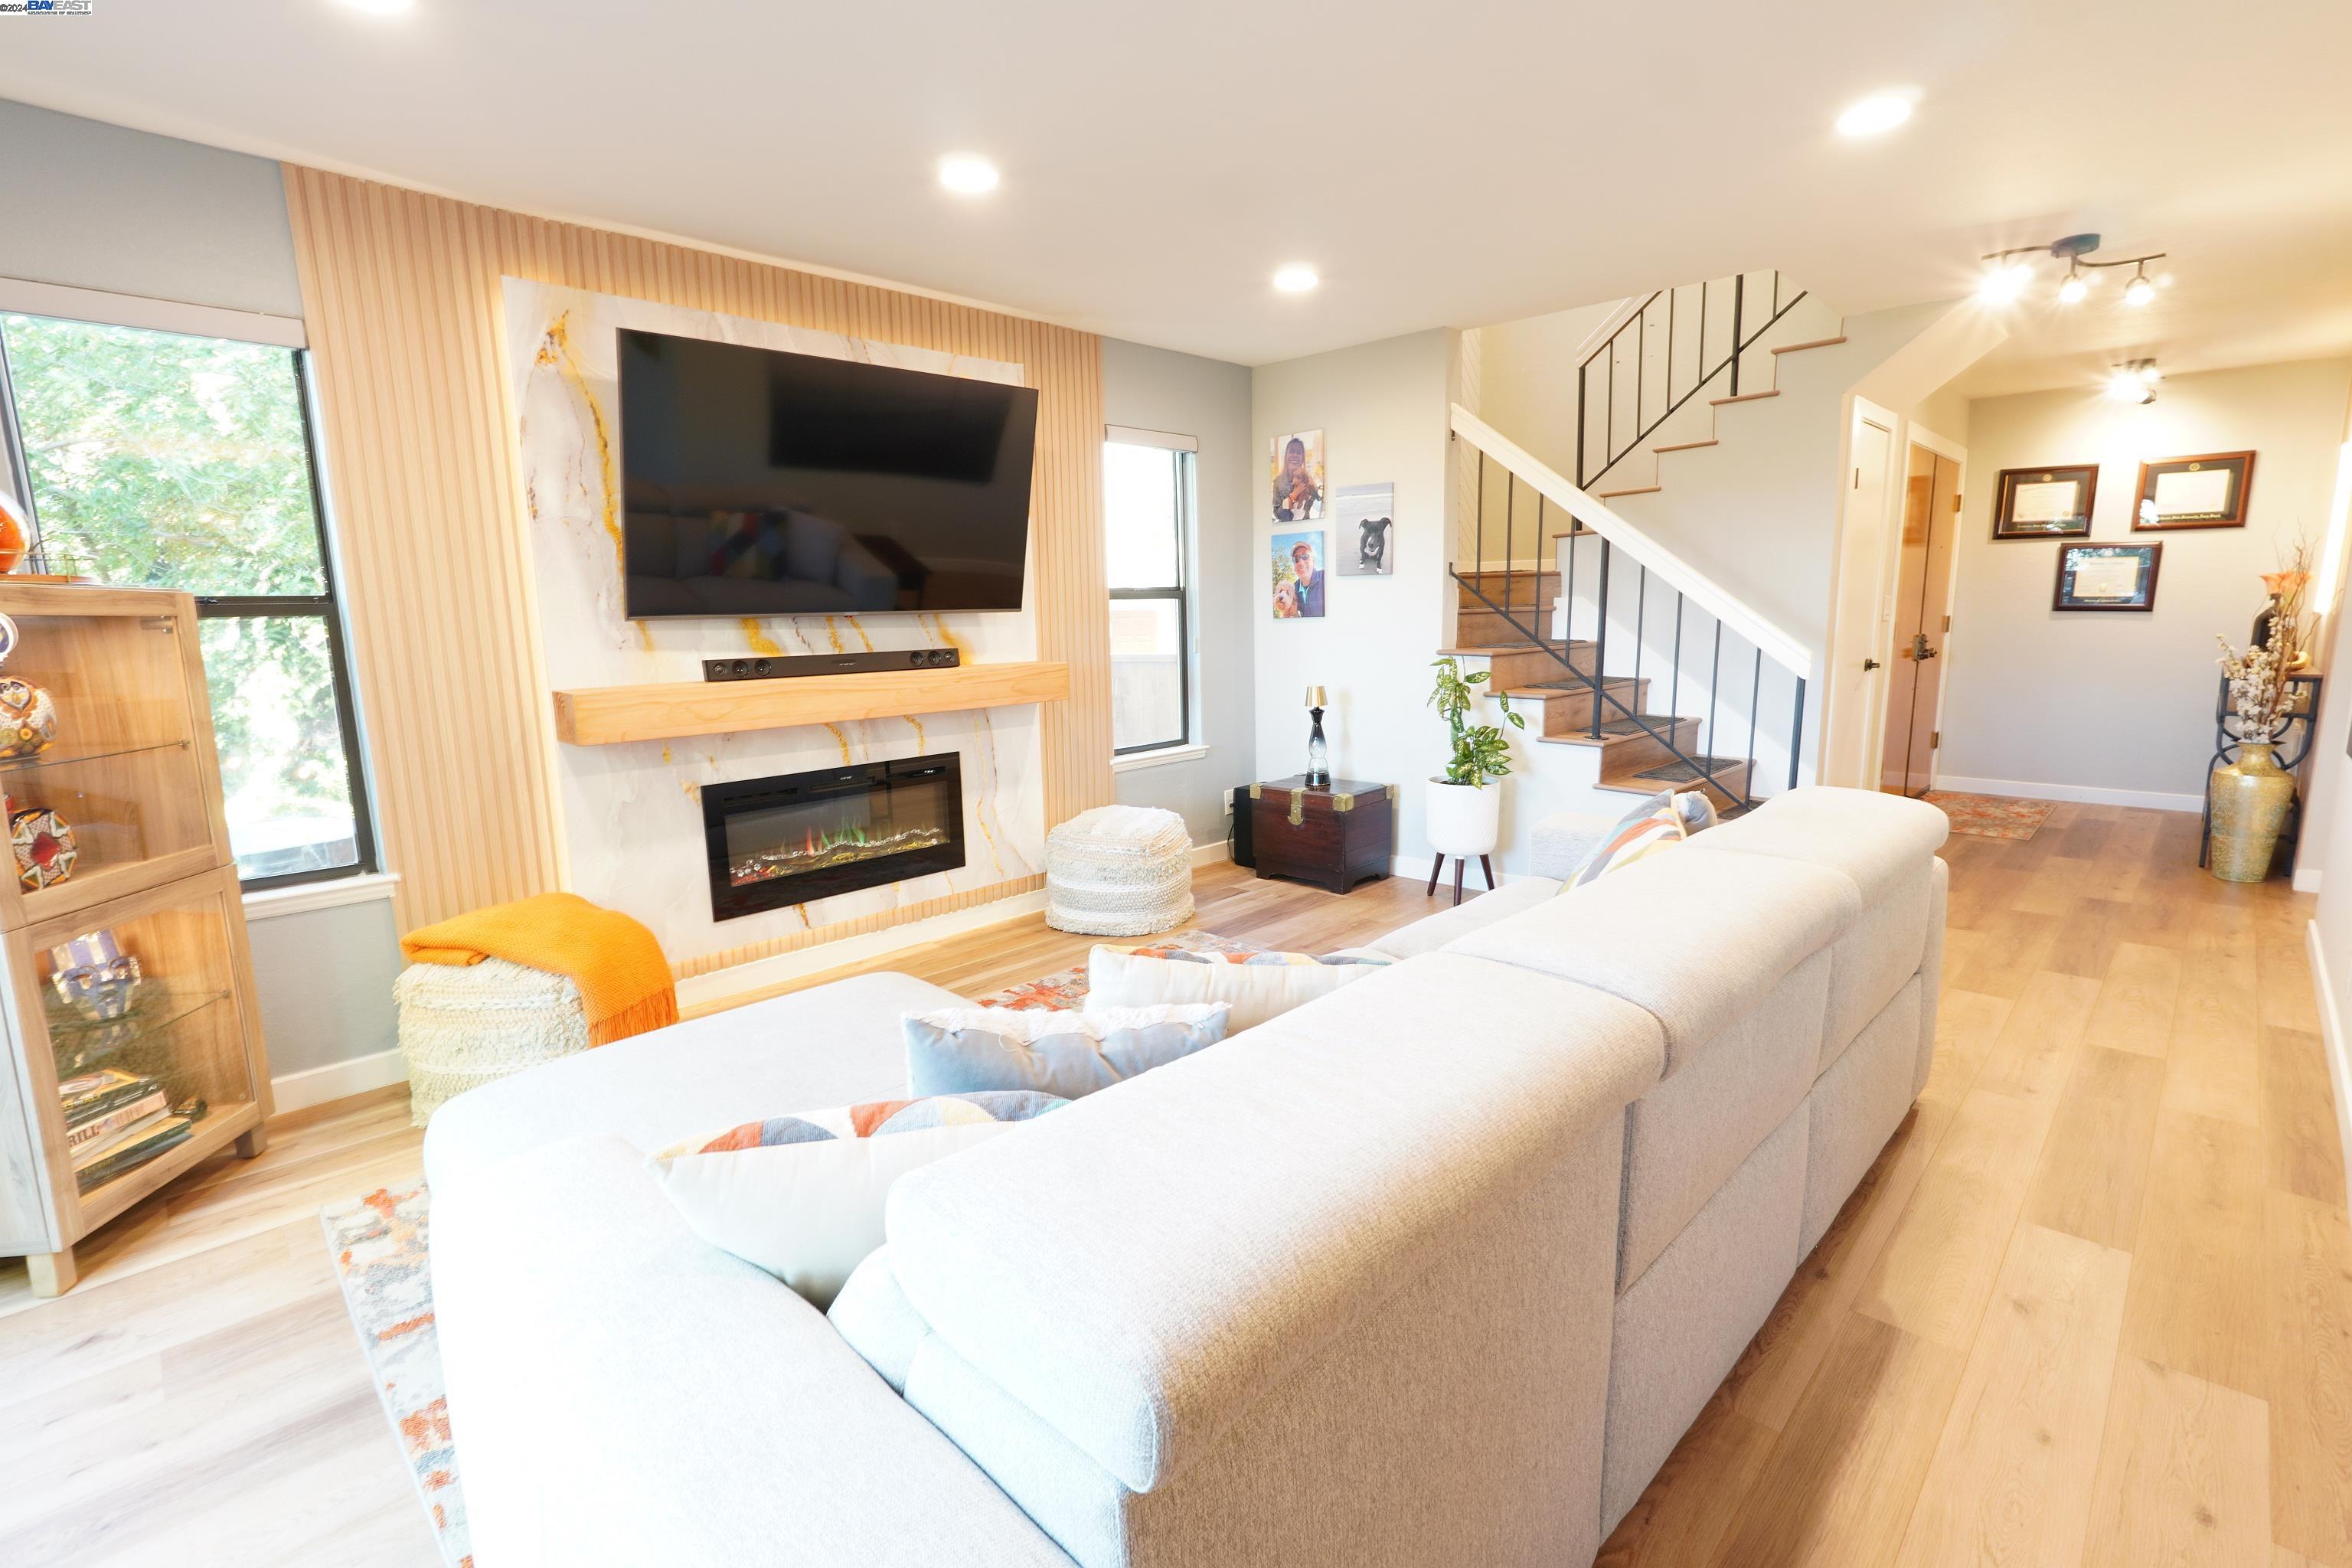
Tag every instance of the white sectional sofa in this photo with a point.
(1434, 1270)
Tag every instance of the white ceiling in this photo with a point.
(1442, 165)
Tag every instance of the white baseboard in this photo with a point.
(2331, 1034)
(1473, 880)
(1210, 854)
(2154, 800)
(316, 1085)
(2306, 880)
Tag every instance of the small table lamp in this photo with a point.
(1318, 755)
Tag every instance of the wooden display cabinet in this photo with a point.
(134, 773)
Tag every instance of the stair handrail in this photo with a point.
(1711, 595)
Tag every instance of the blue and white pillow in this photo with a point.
(966, 1050)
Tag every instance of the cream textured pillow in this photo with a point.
(1256, 985)
(800, 1196)
(964, 1050)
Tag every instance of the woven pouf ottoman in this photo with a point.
(1118, 871)
(466, 1025)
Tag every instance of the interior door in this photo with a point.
(1923, 587)
(1856, 697)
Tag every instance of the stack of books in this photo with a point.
(116, 1119)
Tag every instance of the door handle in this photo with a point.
(1868, 665)
(1920, 648)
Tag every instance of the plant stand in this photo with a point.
(1485, 863)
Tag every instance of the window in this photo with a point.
(157, 459)
(1147, 504)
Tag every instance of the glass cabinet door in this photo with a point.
(148, 1037)
(104, 756)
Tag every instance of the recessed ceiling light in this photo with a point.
(1881, 112)
(380, 8)
(1295, 279)
(964, 173)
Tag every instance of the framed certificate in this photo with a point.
(2107, 577)
(2208, 491)
(2046, 503)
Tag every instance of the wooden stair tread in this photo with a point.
(1629, 490)
(1730, 778)
(1815, 343)
(1546, 690)
(1743, 398)
(1618, 731)
(1684, 446)
(1488, 650)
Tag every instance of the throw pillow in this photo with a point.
(1256, 985)
(959, 1050)
(1643, 832)
(800, 1196)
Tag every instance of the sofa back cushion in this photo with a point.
(1256, 985)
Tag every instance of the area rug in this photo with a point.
(1993, 816)
(1064, 991)
(378, 1245)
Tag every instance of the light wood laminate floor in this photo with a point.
(2092, 1305)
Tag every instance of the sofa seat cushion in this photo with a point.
(1691, 938)
(1431, 933)
(832, 1045)
(626, 1395)
(1690, 1133)
(1140, 1266)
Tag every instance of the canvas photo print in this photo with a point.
(1366, 515)
(1298, 561)
(1296, 464)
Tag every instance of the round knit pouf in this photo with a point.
(466, 1025)
(1118, 871)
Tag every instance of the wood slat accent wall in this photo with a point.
(401, 298)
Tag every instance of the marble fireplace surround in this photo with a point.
(630, 814)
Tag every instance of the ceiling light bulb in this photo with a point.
(1880, 112)
(2004, 282)
(1295, 279)
(968, 175)
(2148, 375)
(2140, 290)
(2124, 385)
(2071, 292)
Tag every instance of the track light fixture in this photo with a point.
(2007, 277)
(2134, 380)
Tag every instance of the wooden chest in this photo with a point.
(1334, 835)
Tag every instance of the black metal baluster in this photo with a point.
(1713, 679)
(1739, 298)
(1641, 610)
(1510, 522)
(1601, 640)
(1796, 731)
(1478, 517)
(1583, 414)
(1754, 706)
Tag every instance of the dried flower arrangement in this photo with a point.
(2259, 696)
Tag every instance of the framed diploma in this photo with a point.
(2106, 576)
(2208, 491)
(2046, 503)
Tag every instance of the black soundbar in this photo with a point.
(776, 665)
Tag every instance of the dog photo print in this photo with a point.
(1296, 466)
(1367, 531)
(1297, 560)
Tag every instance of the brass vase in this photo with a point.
(2250, 798)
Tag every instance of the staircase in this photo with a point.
(1648, 674)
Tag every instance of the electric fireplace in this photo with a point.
(785, 840)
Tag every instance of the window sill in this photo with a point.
(1160, 758)
(305, 897)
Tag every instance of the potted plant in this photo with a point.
(1465, 816)
(2250, 797)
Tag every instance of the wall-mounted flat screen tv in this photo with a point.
(756, 482)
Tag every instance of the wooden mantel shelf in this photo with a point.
(608, 715)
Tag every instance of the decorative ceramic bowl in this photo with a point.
(28, 718)
(43, 844)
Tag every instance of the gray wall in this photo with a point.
(92, 205)
(325, 978)
(1209, 400)
(2115, 701)
(96, 206)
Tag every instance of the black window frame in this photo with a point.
(1181, 469)
(325, 606)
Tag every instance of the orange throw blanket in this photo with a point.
(623, 977)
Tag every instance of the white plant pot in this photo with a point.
(1464, 820)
